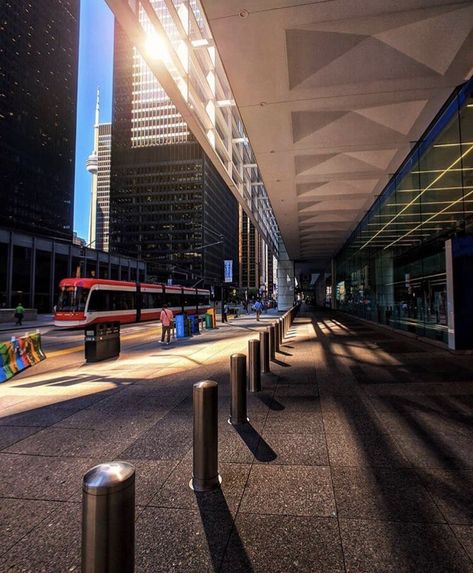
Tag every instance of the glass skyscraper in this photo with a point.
(168, 204)
(38, 87)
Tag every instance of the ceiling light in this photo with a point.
(244, 14)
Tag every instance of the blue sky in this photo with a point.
(95, 70)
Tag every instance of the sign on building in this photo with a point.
(228, 271)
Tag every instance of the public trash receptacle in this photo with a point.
(102, 341)
(208, 321)
(182, 326)
(194, 323)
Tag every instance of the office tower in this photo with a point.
(168, 204)
(98, 165)
(39, 53)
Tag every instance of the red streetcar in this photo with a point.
(86, 301)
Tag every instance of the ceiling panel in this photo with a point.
(333, 95)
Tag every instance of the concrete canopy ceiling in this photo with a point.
(333, 93)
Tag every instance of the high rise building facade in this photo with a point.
(38, 55)
(168, 204)
(256, 259)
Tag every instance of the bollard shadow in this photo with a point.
(256, 443)
(285, 353)
(216, 521)
(280, 362)
(270, 402)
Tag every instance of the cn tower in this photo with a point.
(92, 167)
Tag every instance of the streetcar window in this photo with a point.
(72, 299)
(173, 299)
(189, 299)
(99, 301)
(203, 300)
(155, 300)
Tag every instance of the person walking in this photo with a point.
(258, 307)
(166, 317)
(225, 313)
(19, 314)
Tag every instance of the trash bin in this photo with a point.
(194, 323)
(102, 341)
(182, 326)
(208, 321)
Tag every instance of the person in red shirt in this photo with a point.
(166, 319)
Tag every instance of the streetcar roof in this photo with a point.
(90, 282)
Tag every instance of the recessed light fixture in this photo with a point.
(244, 14)
(263, 103)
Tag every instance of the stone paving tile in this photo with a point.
(169, 439)
(298, 544)
(19, 516)
(51, 547)
(464, 534)
(72, 442)
(40, 417)
(177, 494)
(297, 390)
(392, 547)
(184, 541)
(289, 490)
(42, 477)
(298, 449)
(294, 422)
(11, 434)
(436, 449)
(451, 490)
(382, 494)
(354, 446)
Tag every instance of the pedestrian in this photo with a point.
(19, 314)
(166, 318)
(258, 307)
(225, 313)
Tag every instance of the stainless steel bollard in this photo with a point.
(254, 366)
(264, 346)
(272, 342)
(205, 475)
(281, 331)
(276, 336)
(238, 389)
(108, 519)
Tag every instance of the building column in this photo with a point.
(10, 271)
(52, 276)
(33, 273)
(285, 279)
(334, 284)
(459, 267)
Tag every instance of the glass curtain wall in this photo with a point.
(392, 270)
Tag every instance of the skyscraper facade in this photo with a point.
(169, 206)
(38, 70)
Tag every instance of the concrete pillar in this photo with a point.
(285, 279)
(33, 273)
(334, 284)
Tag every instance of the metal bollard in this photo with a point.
(108, 519)
(238, 389)
(281, 331)
(264, 347)
(276, 336)
(254, 365)
(272, 342)
(205, 476)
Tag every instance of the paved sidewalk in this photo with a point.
(28, 325)
(357, 456)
